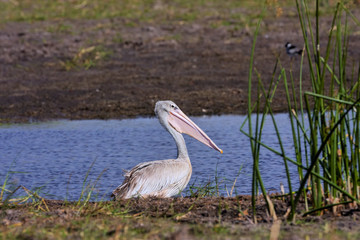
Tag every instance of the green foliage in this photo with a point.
(9, 188)
(327, 147)
(213, 188)
(86, 58)
(141, 10)
(59, 28)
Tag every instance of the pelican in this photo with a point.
(165, 178)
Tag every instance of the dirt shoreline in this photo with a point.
(107, 69)
(174, 218)
(148, 65)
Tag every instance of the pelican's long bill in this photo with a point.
(178, 120)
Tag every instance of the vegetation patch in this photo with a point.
(189, 217)
(86, 58)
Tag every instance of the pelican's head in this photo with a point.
(170, 116)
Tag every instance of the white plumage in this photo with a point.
(165, 178)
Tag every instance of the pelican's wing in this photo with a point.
(157, 178)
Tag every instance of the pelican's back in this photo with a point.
(163, 178)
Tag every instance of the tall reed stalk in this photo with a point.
(327, 147)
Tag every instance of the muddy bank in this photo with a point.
(178, 218)
(87, 69)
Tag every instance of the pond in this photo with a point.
(54, 157)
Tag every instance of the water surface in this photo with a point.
(55, 156)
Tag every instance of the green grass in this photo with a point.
(139, 10)
(59, 28)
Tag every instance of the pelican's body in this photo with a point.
(165, 178)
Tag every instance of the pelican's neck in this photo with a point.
(182, 152)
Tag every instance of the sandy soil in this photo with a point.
(86, 69)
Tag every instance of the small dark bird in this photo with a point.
(292, 50)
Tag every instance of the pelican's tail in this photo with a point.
(131, 186)
(119, 192)
(122, 190)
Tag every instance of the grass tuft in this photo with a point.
(86, 58)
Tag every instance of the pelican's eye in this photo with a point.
(173, 106)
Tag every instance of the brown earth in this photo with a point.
(87, 69)
(176, 218)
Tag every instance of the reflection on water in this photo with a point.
(57, 155)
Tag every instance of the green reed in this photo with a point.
(326, 149)
(256, 137)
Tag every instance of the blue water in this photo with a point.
(56, 156)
